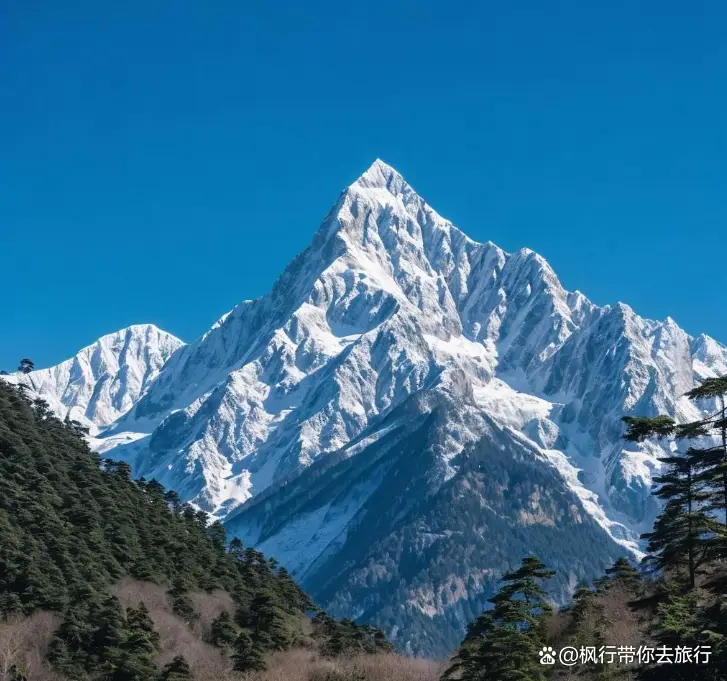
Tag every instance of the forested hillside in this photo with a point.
(104, 577)
(107, 578)
(666, 621)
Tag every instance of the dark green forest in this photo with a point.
(86, 552)
(72, 526)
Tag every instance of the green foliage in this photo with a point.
(502, 644)
(71, 525)
(268, 622)
(26, 366)
(678, 621)
(141, 636)
(683, 533)
(248, 656)
(216, 532)
(622, 572)
(180, 601)
(16, 674)
(177, 670)
(714, 628)
(642, 428)
(709, 388)
(99, 639)
(587, 606)
(222, 631)
(346, 638)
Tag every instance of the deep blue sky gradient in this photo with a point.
(160, 162)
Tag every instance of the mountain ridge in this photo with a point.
(394, 326)
(104, 379)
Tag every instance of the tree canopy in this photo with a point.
(73, 524)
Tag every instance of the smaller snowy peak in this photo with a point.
(709, 357)
(539, 266)
(105, 379)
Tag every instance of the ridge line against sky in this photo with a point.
(162, 164)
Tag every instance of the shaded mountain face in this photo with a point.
(104, 380)
(408, 412)
(385, 530)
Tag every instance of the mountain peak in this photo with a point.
(381, 175)
(105, 379)
(138, 330)
(392, 356)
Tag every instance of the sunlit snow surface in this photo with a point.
(104, 380)
(389, 301)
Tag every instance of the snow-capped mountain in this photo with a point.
(104, 380)
(390, 299)
(408, 412)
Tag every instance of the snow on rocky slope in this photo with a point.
(388, 297)
(408, 411)
(105, 379)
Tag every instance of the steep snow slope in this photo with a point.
(105, 379)
(389, 295)
(398, 381)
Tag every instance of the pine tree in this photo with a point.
(683, 532)
(247, 656)
(179, 599)
(268, 623)
(689, 535)
(714, 627)
(141, 637)
(172, 498)
(222, 630)
(503, 643)
(177, 670)
(138, 621)
(106, 644)
(42, 408)
(375, 640)
(583, 603)
(587, 622)
(75, 426)
(26, 366)
(132, 667)
(677, 622)
(716, 424)
(711, 461)
(216, 532)
(624, 574)
(236, 548)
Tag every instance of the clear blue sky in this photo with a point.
(160, 162)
